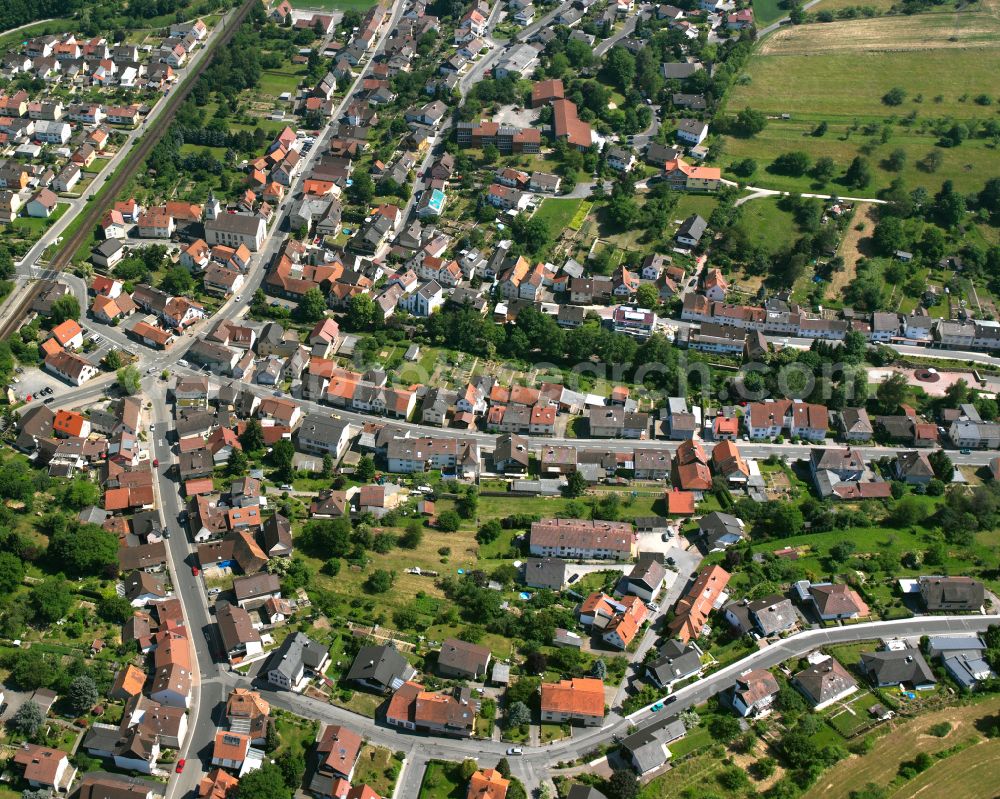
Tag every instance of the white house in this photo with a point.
(425, 300)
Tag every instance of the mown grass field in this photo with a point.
(850, 82)
(701, 204)
(767, 225)
(882, 762)
(557, 213)
(839, 72)
(969, 773)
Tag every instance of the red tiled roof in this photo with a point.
(581, 696)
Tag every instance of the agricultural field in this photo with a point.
(877, 6)
(880, 765)
(839, 73)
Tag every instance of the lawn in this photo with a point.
(32, 227)
(839, 72)
(294, 733)
(767, 11)
(556, 213)
(275, 82)
(882, 762)
(442, 781)
(553, 732)
(767, 226)
(360, 702)
(701, 204)
(847, 722)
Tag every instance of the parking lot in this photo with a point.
(34, 380)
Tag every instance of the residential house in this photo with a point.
(834, 601)
(720, 530)
(450, 713)
(824, 682)
(951, 594)
(898, 667)
(692, 610)
(754, 693)
(582, 539)
(462, 659)
(575, 701)
(380, 668)
(296, 658)
(675, 662)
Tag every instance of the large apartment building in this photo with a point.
(583, 538)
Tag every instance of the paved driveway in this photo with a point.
(12, 701)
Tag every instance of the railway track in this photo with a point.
(13, 320)
(93, 211)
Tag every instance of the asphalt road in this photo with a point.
(208, 693)
(537, 762)
(214, 680)
(211, 684)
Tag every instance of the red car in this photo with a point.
(156, 462)
(180, 765)
(195, 571)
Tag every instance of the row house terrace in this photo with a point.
(794, 417)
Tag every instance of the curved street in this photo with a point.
(214, 680)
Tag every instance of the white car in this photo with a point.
(515, 750)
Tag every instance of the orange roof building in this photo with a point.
(67, 331)
(50, 346)
(622, 629)
(728, 461)
(578, 700)
(70, 424)
(693, 608)
(217, 784)
(128, 683)
(726, 427)
(567, 125)
(680, 503)
(339, 748)
(488, 784)
(546, 91)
